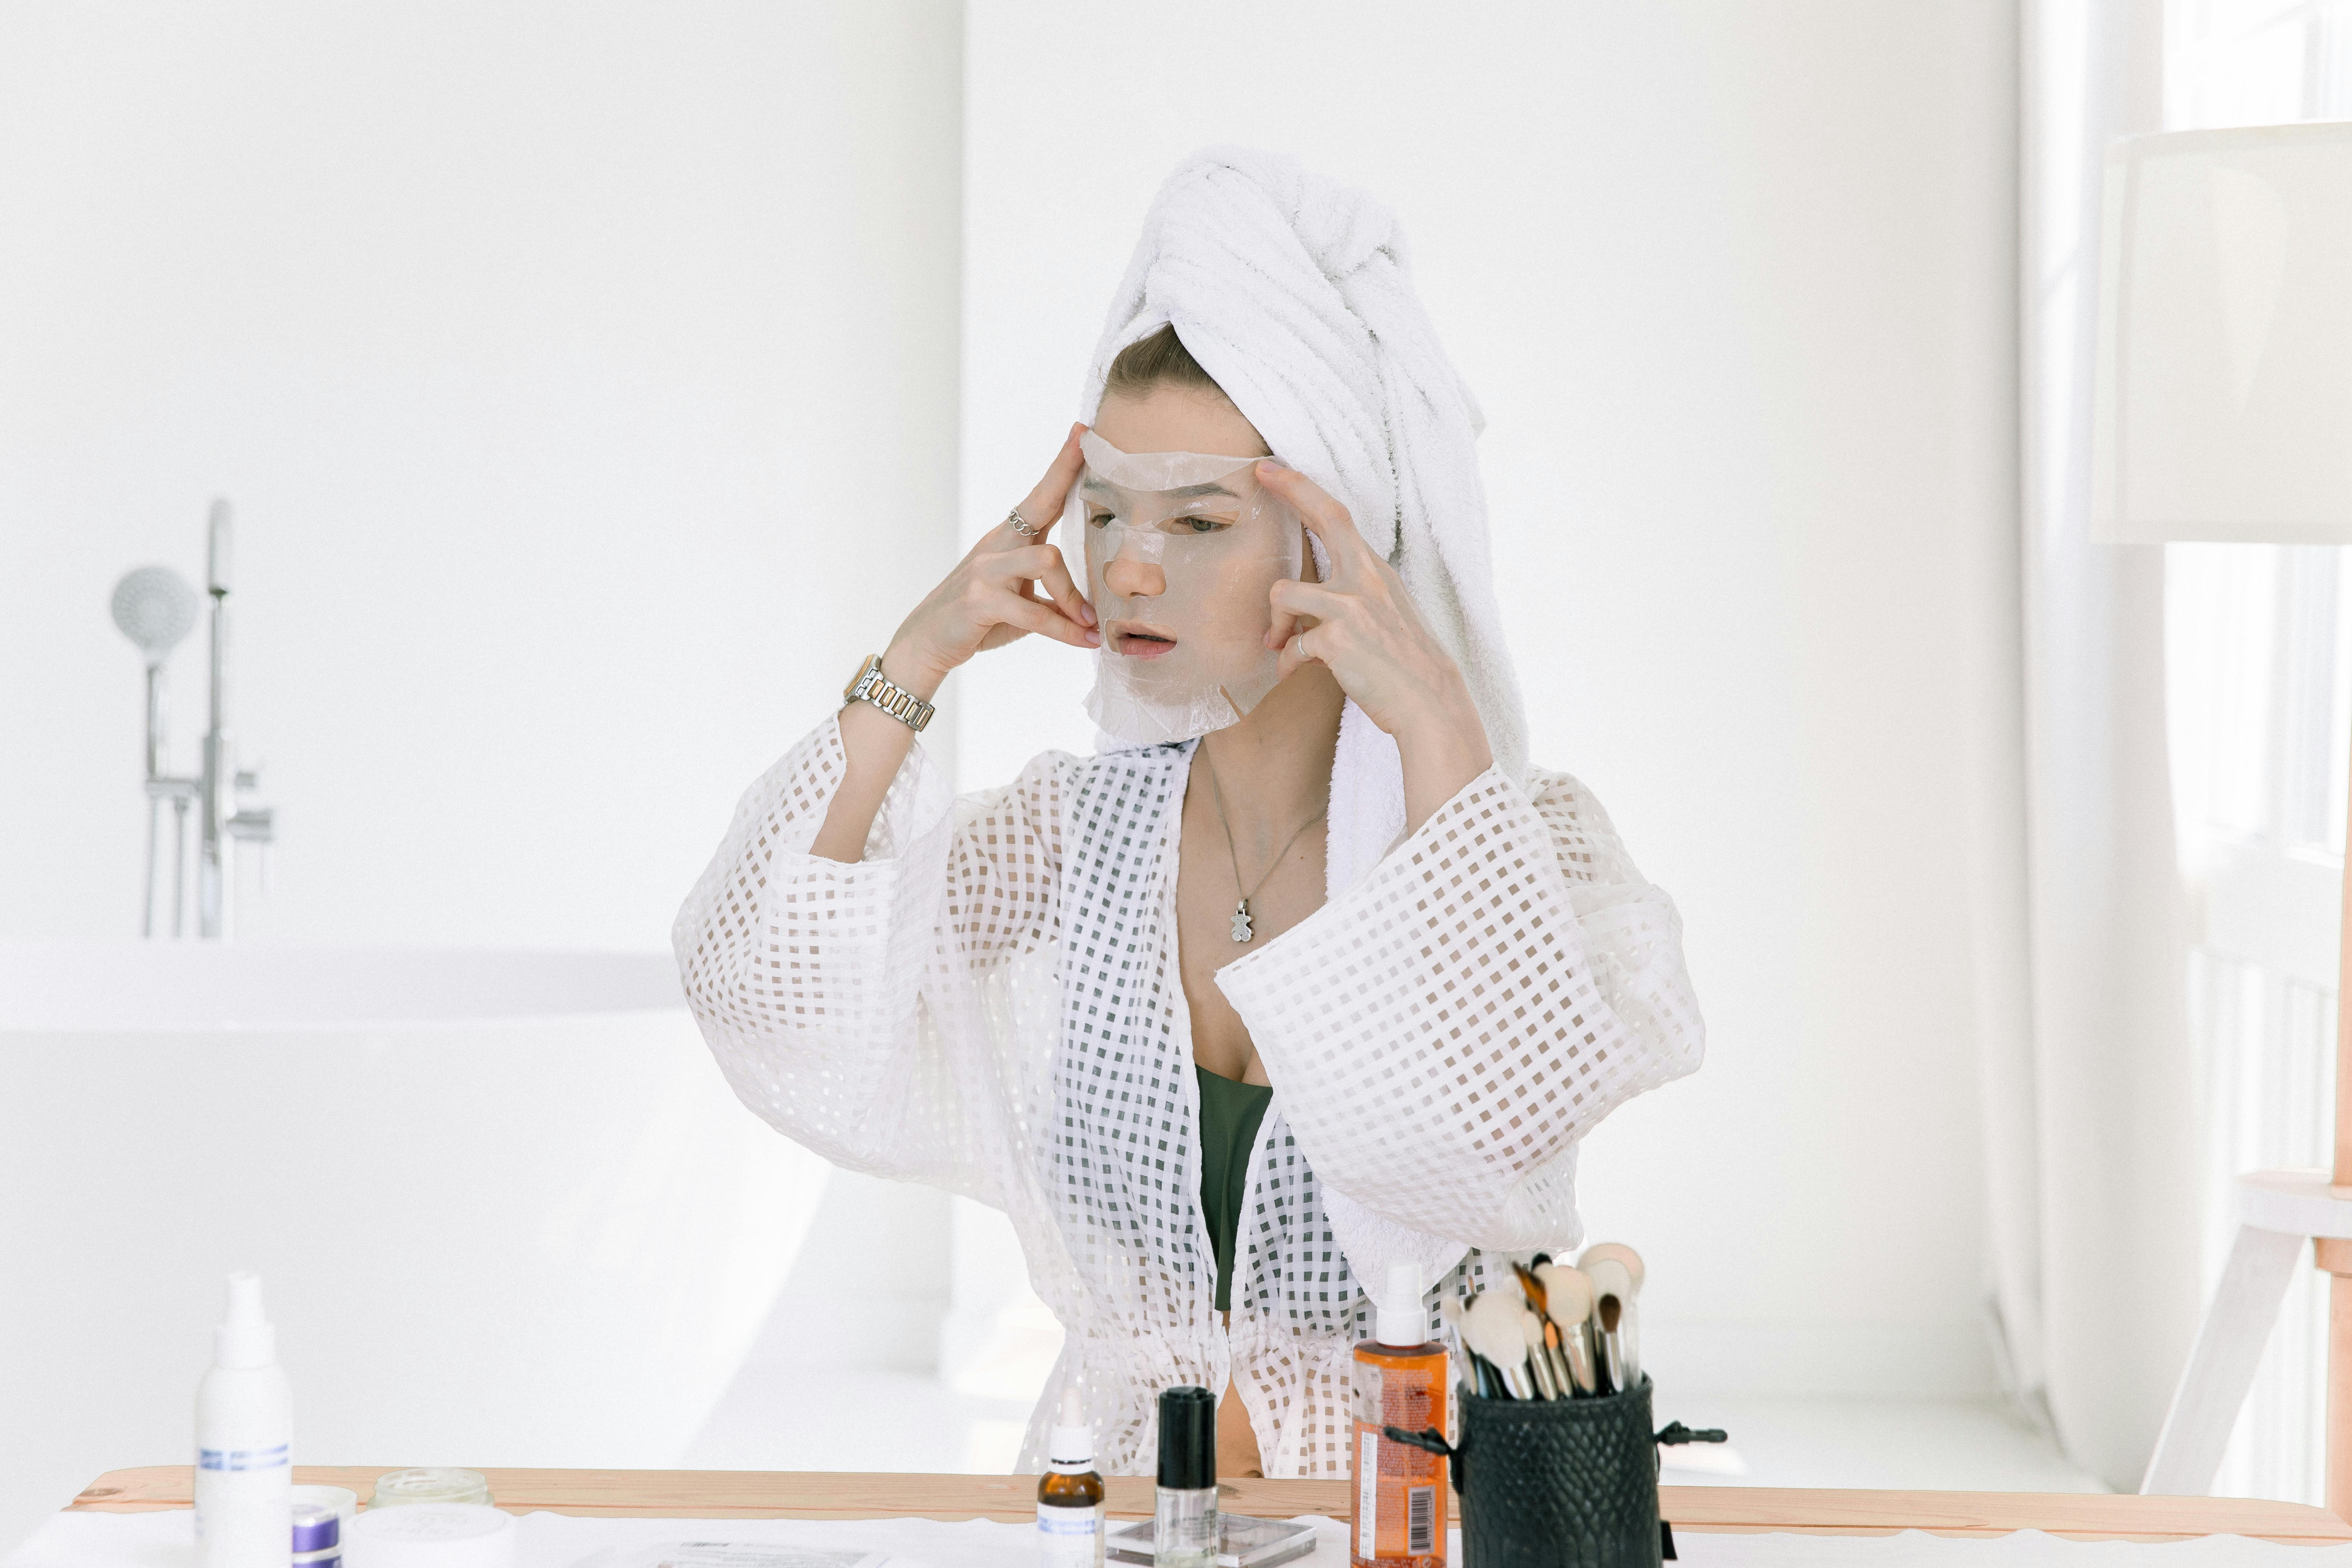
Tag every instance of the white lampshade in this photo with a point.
(2224, 397)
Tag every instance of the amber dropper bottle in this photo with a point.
(1070, 1494)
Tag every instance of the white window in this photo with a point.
(2259, 675)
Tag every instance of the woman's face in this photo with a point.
(1166, 419)
(1180, 577)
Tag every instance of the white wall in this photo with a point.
(1733, 280)
(584, 378)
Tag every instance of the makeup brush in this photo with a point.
(1568, 1301)
(1545, 1348)
(1611, 1281)
(1610, 1311)
(1449, 1312)
(1561, 1376)
(1538, 1363)
(1610, 1278)
(1482, 1378)
(1616, 1251)
(1530, 1285)
(1491, 1326)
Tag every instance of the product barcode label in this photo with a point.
(1421, 1520)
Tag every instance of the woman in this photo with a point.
(1227, 1025)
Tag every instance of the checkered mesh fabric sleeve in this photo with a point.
(833, 996)
(1444, 1033)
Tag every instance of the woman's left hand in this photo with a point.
(1362, 626)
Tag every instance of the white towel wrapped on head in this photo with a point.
(1294, 292)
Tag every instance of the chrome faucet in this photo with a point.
(223, 822)
(155, 607)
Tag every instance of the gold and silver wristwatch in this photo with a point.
(870, 685)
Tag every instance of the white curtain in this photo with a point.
(2091, 1137)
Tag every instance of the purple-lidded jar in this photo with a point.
(318, 1535)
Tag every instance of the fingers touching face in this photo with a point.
(1325, 518)
(1017, 581)
(1042, 509)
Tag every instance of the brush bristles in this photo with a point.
(1615, 1252)
(1568, 1294)
(1490, 1326)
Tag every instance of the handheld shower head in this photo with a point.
(155, 607)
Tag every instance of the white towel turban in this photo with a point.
(1295, 293)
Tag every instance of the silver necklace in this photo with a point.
(1241, 910)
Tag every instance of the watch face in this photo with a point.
(849, 692)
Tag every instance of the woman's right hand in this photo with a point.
(992, 599)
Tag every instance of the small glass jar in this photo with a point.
(396, 1488)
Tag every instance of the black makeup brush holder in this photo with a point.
(1555, 1483)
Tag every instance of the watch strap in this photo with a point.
(870, 685)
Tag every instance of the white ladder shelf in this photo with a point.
(2277, 1211)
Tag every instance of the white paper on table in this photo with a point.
(735, 1555)
(558, 1541)
(2018, 1549)
(166, 1540)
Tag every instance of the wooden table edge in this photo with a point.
(756, 1494)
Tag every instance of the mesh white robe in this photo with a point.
(991, 1003)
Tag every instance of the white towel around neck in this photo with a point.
(1295, 293)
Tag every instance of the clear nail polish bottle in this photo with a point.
(1184, 1531)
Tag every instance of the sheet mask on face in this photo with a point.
(1200, 544)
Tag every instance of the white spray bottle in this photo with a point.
(245, 1476)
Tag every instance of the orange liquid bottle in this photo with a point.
(1400, 1378)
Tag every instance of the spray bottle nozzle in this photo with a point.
(1399, 1318)
(244, 1337)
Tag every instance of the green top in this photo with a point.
(1230, 1113)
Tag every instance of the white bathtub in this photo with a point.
(505, 1210)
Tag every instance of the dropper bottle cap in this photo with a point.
(1072, 1449)
(1401, 1320)
(244, 1337)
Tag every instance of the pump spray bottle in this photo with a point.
(1399, 1380)
(244, 1475)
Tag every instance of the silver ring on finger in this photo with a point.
(1020, 525)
